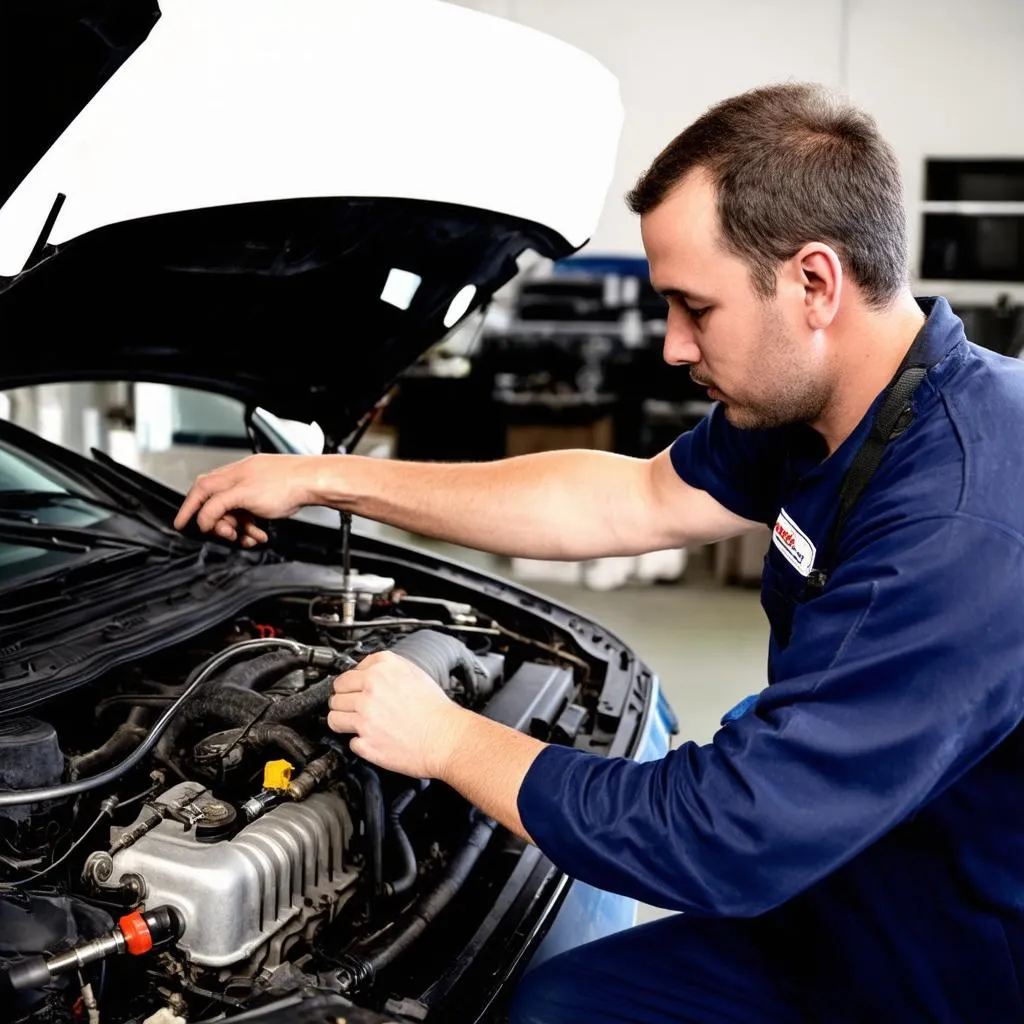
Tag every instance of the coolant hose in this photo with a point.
(268, 734)
(373, 801)
(407, 878)
(360, 968)
(255, 673)
(442, 656)
(319, 657)
(125, 738)
(284, 737)
(305, 702)
(237, 704)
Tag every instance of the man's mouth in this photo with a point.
(704, 383)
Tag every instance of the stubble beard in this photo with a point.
(784, 393)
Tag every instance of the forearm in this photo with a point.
(563, 505)
(486, 762)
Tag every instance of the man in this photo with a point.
(850, 848)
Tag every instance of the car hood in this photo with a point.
(288, 201)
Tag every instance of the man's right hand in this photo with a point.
(225, 500)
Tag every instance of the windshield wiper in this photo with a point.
(28, 501)
(16, 501)
(69, 538)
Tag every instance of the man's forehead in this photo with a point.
(685, 220)
(682, 240)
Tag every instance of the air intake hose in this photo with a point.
(442, 657)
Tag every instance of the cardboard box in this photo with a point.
(525, 439)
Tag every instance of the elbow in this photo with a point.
(746, 897)
(750, 884)
(748, 903)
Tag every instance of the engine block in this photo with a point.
(237, 894)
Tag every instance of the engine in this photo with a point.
(241, 896)
(236, 849)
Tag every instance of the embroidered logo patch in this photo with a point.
(794, 544)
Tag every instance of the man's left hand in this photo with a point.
(401, 718)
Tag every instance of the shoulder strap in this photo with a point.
(893, 417)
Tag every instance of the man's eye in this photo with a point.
(697, 314)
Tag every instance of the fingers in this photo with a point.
(353, 681)
(343, 702)
(253, 535)
(227, 527)
(215, 508)
(231, 524)
(342, 721)
(240, 526)
(191, 505)
(207, 503)
(218, 503)
(343, 716)
(361, 748)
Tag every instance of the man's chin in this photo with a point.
(743, 419)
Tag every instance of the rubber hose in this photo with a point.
(373, 802)
(305, 702)
(124, 739)
(238, 705)
(320, 656)
(407, 878)
(230, 704)
(378, 957)
(227, 704)
(255, 673)
(441, 656)
(274, 734)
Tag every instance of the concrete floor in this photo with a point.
(708, 643)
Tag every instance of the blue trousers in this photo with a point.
(678, 969)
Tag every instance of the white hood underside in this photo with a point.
(242, 101)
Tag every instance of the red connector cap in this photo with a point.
(137, 935)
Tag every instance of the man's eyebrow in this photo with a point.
(681, 293)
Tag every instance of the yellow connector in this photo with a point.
(277, 774)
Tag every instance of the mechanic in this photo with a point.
(850, 846)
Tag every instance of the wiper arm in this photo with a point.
(16, 501)
(28, 500)
(68, 538)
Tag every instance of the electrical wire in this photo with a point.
(107, 809)
(139, 796)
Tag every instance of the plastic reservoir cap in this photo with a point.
(277, 774)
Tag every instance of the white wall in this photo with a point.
(943, 77)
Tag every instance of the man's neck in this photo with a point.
(869, 346)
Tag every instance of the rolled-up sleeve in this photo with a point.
(915, 672)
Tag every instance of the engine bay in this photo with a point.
(184, 839)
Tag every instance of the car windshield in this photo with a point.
(32, 492)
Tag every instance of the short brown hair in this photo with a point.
(793, 164)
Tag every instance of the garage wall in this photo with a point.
(943, 77)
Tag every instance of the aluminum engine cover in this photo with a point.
(234, 895)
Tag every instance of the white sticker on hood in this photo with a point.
(794, 544)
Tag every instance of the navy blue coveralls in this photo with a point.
(851, 849)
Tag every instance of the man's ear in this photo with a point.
(819, 272)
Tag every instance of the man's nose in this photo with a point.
(680, 347)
